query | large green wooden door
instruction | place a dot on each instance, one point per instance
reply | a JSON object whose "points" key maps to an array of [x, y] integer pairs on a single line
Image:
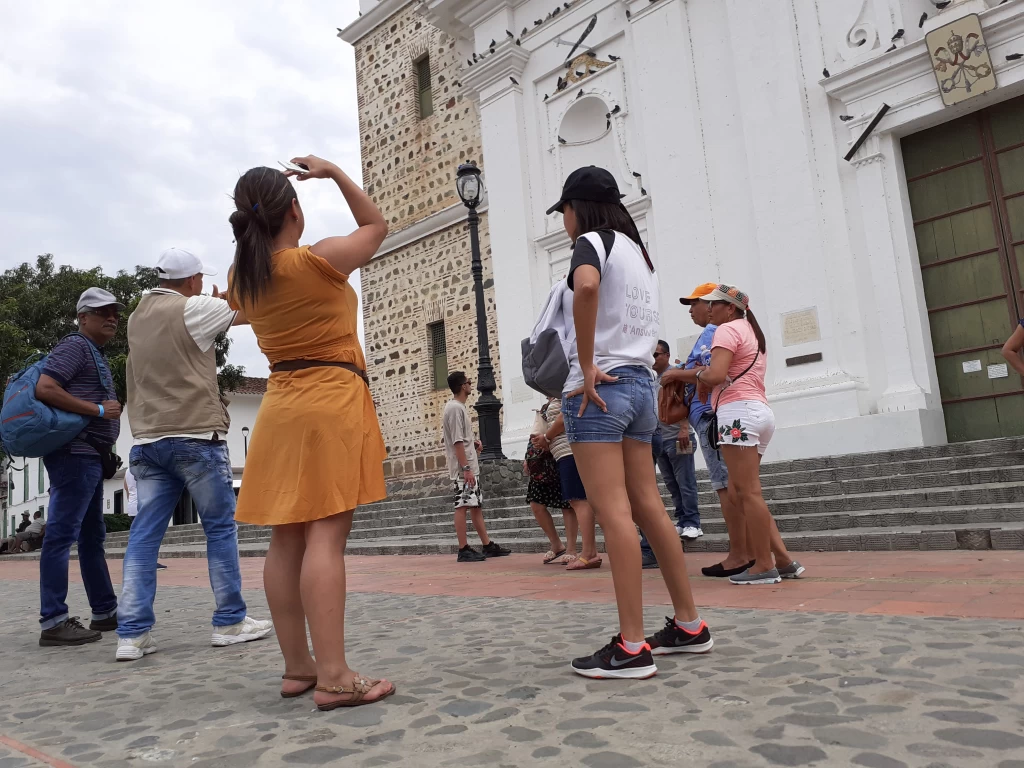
{"points": [[966, 185]]}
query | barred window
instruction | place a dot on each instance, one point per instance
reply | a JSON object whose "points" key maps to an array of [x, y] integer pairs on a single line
{"points": [[426, 96], [438, 354]]}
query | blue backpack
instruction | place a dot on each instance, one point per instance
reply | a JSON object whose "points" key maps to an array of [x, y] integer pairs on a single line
{"points": [[31, 428]]}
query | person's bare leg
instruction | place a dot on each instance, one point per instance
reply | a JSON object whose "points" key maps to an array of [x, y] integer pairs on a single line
{"points": [[779, 551], [585, 518], [477, 515], [571, 526], [281, 572], [736, 527], [745, 480], [543, 517], [322, 586], [601, 468], [649, 513], [460, 526]]}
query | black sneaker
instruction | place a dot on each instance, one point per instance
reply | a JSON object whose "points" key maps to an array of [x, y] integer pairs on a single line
{"points": [[104, 625], [672, 639], [161, 567], [71, 632], [469, 555], [493, 550], [649, 561], [615, 662]]}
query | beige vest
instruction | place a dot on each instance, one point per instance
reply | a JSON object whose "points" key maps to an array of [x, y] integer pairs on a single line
{"points": [[172, 385]]}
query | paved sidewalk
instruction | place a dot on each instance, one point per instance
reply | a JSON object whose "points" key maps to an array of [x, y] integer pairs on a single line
{"points": [[483, 680]]}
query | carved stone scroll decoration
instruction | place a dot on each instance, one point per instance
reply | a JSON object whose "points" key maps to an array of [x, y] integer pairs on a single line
{"points": [[861, 37]]}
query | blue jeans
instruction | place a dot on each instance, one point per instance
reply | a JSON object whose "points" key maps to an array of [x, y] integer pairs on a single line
{"points": [[75, 515], [631, 413], [680, 475], [162, 470]]}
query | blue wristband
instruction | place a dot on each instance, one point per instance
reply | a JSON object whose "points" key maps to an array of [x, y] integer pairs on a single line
{"points": [[101, 411]]}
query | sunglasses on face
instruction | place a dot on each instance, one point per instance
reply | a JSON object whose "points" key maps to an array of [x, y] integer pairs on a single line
{"points": [[105, 312]]}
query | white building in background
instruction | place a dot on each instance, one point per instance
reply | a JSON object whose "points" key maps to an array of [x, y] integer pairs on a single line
{"points": [[885, 284], [28, 484]]}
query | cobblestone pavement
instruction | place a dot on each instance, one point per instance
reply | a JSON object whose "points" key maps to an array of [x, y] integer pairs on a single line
{"points": [[485, 682]]}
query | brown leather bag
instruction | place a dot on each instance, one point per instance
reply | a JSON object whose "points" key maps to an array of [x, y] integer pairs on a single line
{"points": [[672, 408]]}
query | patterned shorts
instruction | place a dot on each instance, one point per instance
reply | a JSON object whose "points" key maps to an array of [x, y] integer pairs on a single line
{"points": [[747, 424], [468, 495]]}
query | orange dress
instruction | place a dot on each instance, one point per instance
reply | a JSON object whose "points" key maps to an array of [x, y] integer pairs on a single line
{"points": [[316, 447]]}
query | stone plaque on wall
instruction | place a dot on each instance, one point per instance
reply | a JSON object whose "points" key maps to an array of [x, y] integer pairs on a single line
{"points": [[961, 60], [800, 327]]}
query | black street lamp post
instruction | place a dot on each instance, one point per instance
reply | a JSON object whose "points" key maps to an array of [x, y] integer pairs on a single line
{"points": [[487, 405], [245, 435]]}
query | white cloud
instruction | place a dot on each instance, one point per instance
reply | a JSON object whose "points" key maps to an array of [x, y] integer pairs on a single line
{"points": [[125, 125]]}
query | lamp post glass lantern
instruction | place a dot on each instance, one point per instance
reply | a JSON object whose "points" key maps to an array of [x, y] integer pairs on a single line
{"points": [[245, 435], [470, 187]]}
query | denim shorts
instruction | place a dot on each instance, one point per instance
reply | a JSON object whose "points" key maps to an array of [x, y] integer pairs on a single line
{"points": [[631, 412], [717, 471]]}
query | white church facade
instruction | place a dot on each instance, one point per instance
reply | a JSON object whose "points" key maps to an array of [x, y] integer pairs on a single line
{"points": [[886, 283]]}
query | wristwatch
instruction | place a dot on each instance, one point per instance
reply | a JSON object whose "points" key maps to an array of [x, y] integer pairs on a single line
{"points": [[466, 468]]}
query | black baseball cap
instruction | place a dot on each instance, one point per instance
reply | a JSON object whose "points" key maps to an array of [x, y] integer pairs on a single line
{"points": [[591, 183]]}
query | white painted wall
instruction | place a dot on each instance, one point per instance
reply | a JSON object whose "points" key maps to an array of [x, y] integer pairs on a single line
{"points": [[726, 115], [242, 409]]}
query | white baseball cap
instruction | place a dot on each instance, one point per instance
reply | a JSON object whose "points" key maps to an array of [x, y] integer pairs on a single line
{"points": [[95, 298], [177, 264]]}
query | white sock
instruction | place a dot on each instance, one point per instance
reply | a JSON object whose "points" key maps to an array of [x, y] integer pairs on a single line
{"points": [[634, 648], [690, 626]]}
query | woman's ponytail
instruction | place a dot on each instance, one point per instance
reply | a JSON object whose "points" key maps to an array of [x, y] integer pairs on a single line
{"points": [[761, 343]]}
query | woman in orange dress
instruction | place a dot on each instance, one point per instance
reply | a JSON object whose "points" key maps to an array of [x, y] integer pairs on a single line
{"points": [[316, 451]]}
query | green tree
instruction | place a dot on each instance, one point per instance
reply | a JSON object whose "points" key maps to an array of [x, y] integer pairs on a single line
{"points": [[37, 309]]}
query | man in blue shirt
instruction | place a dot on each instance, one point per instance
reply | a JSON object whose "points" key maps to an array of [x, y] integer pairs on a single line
{"points": [[700, 416], [76, 380]]}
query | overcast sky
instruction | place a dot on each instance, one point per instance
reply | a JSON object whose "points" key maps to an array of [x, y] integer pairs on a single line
{"points": [[125, 125]]}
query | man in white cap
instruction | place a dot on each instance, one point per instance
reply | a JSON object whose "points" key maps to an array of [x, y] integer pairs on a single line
{"points": [[179, 423], [76, 378]]}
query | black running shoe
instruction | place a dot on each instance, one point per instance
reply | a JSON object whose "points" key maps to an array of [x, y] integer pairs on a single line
{"points": [[717, 571], [672, 639], [469, 555], [648, 561], [615, 662], [493, 550]]}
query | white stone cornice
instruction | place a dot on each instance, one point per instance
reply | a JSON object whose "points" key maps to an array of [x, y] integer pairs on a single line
{"points": [[507, 61], [369, 21], [427, 226], [559, 239]]}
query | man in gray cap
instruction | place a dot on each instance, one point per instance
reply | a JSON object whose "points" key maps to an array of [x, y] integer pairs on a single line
{"points": [[179, 423], [76, 378]]}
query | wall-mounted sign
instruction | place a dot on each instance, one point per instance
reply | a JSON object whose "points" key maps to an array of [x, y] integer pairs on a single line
{"points": [[972, 366], [961, 60], [800, 327], [998, 371]]}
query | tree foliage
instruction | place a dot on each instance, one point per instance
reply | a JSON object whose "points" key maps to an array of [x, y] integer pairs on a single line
{"points": [[37, 309]]}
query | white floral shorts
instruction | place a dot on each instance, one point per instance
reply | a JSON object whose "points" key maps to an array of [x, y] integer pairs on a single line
{"points": [[746, 423]]}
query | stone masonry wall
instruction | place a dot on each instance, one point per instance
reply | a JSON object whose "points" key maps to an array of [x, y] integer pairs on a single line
{"points": [[409, 164], [409, 168], [404, 291]]}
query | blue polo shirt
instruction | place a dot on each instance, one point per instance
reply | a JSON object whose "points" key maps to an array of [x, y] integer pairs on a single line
{"points": [[699, 356]]}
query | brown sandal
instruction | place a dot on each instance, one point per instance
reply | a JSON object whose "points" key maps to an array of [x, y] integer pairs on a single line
{"points": [[360, 687], [582, 564], [311, 679]]}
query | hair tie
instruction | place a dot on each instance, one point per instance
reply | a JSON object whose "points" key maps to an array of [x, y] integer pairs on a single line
{"points": [[255, 207]]}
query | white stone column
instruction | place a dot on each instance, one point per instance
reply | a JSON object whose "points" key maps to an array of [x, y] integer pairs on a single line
{"points": [[902, 391], [503, 132]]}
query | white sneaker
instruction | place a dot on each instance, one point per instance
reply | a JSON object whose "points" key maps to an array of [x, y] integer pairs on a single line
{"points": [[249, 629], [134, 648], [689, 532]]}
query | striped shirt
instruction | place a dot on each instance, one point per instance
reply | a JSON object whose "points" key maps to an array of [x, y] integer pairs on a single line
{"points": [[71, 365]]}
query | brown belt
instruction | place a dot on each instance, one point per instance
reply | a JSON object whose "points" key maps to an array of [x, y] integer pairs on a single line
{"points": [[300, 365]]}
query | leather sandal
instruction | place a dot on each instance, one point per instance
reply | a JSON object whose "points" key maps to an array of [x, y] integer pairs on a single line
{"points": [[311, 679], [360, 687], [551, 555], [582, 564]]}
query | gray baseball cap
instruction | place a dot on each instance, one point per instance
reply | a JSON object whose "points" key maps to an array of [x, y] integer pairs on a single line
{"points": [[94, 298]]}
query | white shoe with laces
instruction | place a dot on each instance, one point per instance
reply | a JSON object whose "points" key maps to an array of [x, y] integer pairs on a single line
{"points": [[134, 648], [689, 532], [247, 630]]}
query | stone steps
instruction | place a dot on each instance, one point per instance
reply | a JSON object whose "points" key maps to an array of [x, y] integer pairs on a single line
{"points": [[960, 495]]}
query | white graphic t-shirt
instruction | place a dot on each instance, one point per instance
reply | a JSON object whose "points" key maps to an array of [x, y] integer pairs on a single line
{"points": [[628, 312]]}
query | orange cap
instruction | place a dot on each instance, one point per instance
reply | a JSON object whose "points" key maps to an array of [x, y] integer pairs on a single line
{"points": [[699, 292]]}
